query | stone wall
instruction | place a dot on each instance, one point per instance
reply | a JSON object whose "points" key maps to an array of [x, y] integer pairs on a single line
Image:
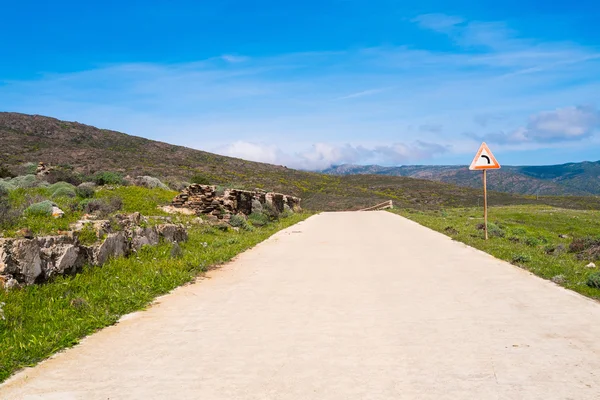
{"points": [[28, 261], [204, 199]]}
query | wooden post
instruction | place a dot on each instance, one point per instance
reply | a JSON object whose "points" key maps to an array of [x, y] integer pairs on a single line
{"points": [[485, 211]]}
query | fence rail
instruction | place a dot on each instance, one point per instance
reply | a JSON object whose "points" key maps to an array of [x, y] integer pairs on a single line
{"points": [[382, 206]]}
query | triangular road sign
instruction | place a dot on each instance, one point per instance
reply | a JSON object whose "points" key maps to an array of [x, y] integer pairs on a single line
{"points": [[484, 159]]}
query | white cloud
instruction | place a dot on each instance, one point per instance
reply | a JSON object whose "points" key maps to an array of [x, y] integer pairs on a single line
{"points": [[560, 125], [323, 155]]}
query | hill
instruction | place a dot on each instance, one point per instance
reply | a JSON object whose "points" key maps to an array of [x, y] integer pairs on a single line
{"points": [[578, 179], [86, 150]]}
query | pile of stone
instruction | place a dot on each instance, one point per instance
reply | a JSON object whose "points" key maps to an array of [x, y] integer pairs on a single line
{"points": [[204, 199], [34, 260]]}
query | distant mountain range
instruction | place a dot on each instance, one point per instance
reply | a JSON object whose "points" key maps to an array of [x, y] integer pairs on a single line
{"points": [[565, 179]]}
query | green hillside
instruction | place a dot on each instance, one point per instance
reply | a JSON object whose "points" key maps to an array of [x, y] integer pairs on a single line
{"points": [[84, 150]]}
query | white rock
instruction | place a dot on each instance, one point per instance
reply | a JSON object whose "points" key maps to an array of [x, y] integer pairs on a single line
{"points": [[57, 212], [591, 265]]}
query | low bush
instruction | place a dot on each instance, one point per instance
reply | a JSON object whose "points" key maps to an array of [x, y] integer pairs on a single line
{"points": [[6, 185], [496, 231], [239, 221], [87, 235], [270, 211], [532, 241], [150, 182], [594, 280], [200, 179], [580, 244], [62, 174], [258, 219], [86, 190], [520, 258], [102, 207], [26, 182], [108, 178], [5, 172], [62, 189], [43, 208], [287, 212]]}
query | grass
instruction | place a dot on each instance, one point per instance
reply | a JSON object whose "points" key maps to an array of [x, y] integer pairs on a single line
{"points": [[40, 320], [527, 236], [134, 198]]}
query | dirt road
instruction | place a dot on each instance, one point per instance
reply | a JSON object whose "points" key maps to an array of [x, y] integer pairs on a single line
{"points": [[342, 306]]}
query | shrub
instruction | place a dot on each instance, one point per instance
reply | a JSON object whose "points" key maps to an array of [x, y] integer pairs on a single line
{"points": [[495, 230], [30, 168], [6, 185], [86, 190], [5, 172], [270, 211], [60, 174], [532, 241], [594, 280], [26, 182], [258, 219], [43, 208], [150, 182], [520, 258], [103, 207], [87, 235], [178, 185], [200, 179], [239, 221], [108, 178], [62, 189], [8, 215], [581, 244], [287, 212]]}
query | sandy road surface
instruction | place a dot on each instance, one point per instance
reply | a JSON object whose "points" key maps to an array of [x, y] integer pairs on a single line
{"points": [[342, 306]]}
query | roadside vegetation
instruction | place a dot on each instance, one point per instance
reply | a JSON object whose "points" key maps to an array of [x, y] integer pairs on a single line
{"points": [[39, 320], [553, 243]]}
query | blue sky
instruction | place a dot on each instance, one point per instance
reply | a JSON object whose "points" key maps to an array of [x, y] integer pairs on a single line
{"points": [[314, 83]]}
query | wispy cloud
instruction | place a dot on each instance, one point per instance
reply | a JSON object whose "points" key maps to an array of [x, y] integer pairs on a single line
{"points": [[362, 93]]}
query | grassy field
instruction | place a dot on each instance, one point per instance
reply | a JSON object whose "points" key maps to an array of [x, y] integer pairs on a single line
{"points": [[40, 320], [536, 238]]}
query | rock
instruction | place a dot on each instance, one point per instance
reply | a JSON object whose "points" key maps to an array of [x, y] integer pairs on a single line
{"points": [[176, 251], [21, 259], [115, 245], [144, 237], [172, 233], [591, 265], [559, 279], [59, 255], [562, 236], [177, 210], [57, 212], [9, 284]]}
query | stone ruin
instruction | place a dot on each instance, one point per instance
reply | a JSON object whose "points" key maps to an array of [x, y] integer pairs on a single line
{"points": [[205, 199]]}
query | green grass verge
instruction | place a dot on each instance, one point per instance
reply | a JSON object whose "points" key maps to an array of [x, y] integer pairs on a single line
{"points": [[524, 236], [40, 320]]}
